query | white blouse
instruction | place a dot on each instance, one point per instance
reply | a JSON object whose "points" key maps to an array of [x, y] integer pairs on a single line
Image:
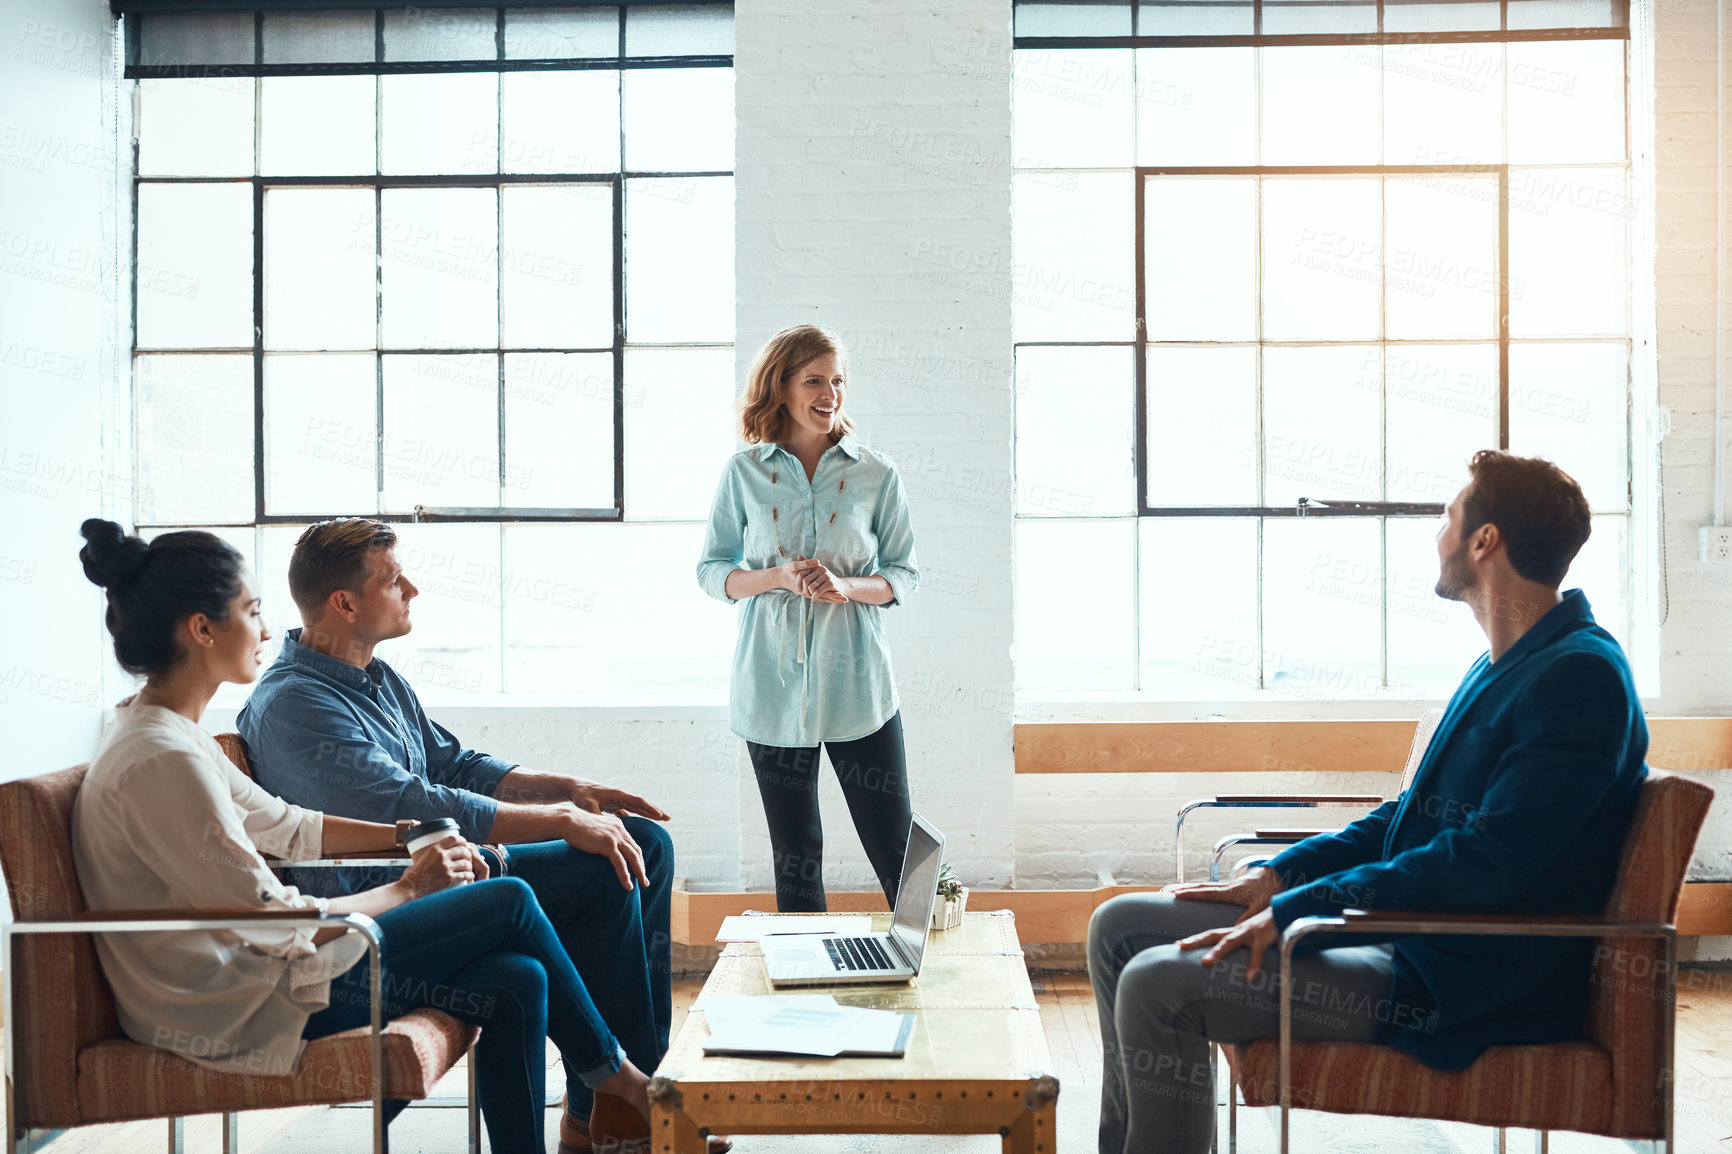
{"points": [[165, 821]]}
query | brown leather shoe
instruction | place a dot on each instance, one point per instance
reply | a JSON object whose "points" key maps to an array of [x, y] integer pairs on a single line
{"points": [[573, 1132]]}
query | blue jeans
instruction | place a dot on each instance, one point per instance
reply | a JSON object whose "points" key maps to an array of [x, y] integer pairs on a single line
{"points": [[485, 954], [618, 939]]}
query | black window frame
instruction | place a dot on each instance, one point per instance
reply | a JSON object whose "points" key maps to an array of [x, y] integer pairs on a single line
{"points": [[379, 182]]}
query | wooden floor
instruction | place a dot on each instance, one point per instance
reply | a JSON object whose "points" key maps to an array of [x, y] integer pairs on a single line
{"points": [[1704, 1099]]}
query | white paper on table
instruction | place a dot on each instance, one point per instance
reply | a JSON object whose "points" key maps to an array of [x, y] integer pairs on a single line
{"points": [[812, 1025], [751, 927]]}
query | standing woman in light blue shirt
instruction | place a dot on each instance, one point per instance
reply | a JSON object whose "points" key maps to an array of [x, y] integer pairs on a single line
{"points": [[810, 529]]}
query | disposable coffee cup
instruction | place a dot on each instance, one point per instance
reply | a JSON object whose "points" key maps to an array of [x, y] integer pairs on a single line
{"points": [[429, 832]]}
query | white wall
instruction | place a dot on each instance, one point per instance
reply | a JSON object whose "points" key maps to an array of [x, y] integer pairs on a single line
{"points": [[59, 231]]}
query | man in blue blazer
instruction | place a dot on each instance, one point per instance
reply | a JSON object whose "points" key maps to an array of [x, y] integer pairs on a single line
{"points": [[1520, 807]]}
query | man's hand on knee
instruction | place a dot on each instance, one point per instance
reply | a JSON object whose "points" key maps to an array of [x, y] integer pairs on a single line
{"points": [[1252, 891], [1256, 933], [605, 835]]}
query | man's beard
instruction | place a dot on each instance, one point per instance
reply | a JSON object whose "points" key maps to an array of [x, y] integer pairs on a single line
{"points": [[1455, 581]]}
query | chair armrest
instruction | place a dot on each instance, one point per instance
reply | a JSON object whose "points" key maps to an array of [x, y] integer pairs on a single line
{"points": [[1288, 835], [1296, 799], [1511, 925], [378, 858]]}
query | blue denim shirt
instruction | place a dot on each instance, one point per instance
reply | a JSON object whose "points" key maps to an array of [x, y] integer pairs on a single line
{"points": [[807, 671], [325, 735]]}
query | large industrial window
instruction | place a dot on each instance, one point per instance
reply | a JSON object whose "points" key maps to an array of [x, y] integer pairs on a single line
{"points": [[470, 270], [1280, 270]]}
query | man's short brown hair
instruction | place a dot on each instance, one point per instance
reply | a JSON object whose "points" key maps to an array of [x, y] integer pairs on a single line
{"points": [[1538, 509], [332, 555]]}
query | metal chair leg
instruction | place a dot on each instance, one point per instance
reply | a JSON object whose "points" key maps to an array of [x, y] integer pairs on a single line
{"points": [[231, 1134], [1542, 1143], [474, 1107], [177, 1136], [1500, 1142]]}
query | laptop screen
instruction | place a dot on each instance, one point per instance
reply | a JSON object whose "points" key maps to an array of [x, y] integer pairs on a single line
{"points": [[919, 889]]}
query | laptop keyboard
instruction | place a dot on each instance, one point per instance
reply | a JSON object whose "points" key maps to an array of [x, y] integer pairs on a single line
{"points": [[858, 954]]}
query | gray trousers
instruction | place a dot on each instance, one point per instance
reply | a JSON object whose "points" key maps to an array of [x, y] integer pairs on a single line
{"points": [[1160, 1007]]}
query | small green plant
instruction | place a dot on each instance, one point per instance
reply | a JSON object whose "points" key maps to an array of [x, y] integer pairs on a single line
{"points": [[948, 887]]}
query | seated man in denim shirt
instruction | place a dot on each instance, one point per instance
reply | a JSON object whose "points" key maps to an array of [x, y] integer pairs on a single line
{"points": [[332, 727]]}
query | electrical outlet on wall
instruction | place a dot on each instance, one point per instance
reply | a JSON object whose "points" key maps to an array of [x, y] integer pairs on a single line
{"points": [[1714, 544]]}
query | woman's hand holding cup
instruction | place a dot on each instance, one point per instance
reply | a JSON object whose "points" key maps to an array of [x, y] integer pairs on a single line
{"points": [[439, 859]]}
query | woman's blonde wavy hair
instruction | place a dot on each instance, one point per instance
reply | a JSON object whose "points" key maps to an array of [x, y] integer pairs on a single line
{"points": [[763, 417]]}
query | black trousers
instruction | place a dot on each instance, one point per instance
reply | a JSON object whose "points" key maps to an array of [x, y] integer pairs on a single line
{"points": [[874, 775]]}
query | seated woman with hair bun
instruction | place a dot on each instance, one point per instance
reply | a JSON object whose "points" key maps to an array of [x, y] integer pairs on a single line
{"points": [[164, 820]]}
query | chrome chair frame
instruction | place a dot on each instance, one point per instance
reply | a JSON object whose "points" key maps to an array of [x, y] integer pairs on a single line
{"points": [[1260, 801], [18, 1141]]}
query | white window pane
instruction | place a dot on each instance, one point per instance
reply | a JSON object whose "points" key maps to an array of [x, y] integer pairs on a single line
{"points": [[321, 435], [1196, 105], [561, 121], [1194, 18], [1569, 267], [1441, 16], [195, 266], [1307, 17], [194, 39], [1065, 641], [1074, 416], [453, 650], [1441, 236], [441, 34], [679, 430], [1202, 411], [1566, 101], [679, 119], [1074, 279], [440, 123], [276, 546], [1322, 258], [440, 264], [580, 622], [441, 431], [561, 33], [317, 125], [1563, 14], [679, 30], [1320, 105], [558, 281], [1442, 403], [195, 127], [194, 438], [1200, 258], [679, 259], [1443, 103], [1568, 403], [1199, 622], [1321, 423], [1432, 642], [319, 268], [1072, 19], [1323, 607], [319, 37], [1071, 108], [559, 430], [1601, 571]]}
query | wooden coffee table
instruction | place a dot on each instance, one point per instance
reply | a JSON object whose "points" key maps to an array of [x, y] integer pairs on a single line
{"points": [[976, 1064]]}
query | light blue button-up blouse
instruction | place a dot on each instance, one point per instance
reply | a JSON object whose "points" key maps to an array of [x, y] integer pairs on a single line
{"points": [[805, 671]]}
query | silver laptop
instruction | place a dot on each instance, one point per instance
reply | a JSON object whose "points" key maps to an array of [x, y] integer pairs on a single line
{"points": [[832, 960]]}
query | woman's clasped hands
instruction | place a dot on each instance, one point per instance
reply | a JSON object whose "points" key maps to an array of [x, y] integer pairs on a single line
{"points": [[809, 577]]}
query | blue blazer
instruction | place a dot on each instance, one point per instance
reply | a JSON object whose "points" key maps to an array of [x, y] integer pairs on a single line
{"points": [[1520, 806]]}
